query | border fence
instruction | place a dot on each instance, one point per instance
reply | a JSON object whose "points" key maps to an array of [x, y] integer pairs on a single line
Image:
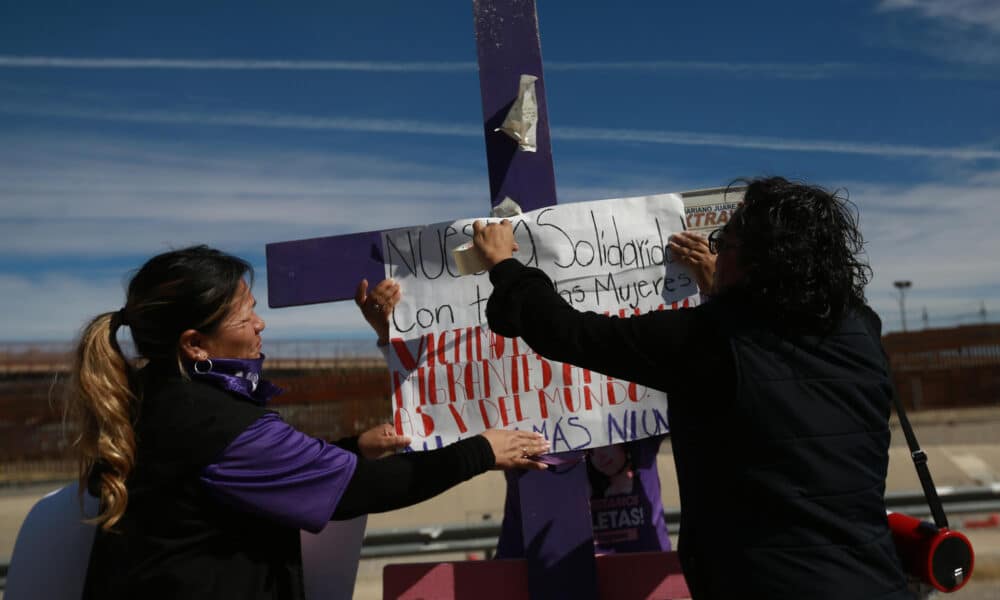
{"points": [[946, 368], [334, 388]]}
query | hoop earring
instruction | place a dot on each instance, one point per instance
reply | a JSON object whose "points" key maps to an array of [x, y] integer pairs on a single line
{"points": [[206, 369]]}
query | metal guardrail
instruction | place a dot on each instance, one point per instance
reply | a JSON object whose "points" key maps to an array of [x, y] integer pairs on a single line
{"points": [[956, 501], [384, 543], [483, 537]]}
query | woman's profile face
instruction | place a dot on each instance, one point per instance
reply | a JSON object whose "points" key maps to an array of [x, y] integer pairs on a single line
{"points": [[609, 460], [238, 336]]}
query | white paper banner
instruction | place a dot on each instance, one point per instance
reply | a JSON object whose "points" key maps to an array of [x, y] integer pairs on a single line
{"points": [[452, 377]]}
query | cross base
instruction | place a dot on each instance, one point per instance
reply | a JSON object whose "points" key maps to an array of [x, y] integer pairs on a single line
{"points": [[636, 576]]}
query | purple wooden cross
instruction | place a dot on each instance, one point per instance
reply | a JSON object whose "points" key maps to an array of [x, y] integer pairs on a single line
{"points": [[558, 539]]}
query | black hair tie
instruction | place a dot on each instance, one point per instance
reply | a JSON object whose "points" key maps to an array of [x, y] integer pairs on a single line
{"points": [[118, 319]]}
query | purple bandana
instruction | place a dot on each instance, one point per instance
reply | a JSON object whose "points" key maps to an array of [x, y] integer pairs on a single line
{"points": [[239, 375]]}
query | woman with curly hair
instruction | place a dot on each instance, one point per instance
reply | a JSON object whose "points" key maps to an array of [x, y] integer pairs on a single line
{"points": [[779, 396]]}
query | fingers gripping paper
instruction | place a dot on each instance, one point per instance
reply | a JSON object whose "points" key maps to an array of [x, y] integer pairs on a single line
{"points": [[452, 377]]}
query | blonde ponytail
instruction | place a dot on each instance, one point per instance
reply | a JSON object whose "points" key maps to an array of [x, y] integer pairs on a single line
{"points": [[101, 401]]}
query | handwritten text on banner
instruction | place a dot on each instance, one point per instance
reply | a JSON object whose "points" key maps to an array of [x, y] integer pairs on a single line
{"points": [[452, 377]]}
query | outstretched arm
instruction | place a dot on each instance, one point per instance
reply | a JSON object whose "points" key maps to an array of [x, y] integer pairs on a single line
{"points": [[406, 479], [280, 473], [653, 349]]}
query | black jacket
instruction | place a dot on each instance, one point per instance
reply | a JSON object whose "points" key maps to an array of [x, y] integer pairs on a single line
{"points": [[780, 442], [175, 541]]}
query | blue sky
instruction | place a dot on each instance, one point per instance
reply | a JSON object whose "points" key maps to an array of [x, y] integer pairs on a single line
{"points": [[127, 130]]}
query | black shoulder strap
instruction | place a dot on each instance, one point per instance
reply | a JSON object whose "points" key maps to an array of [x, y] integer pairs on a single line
{"points": [[874, 326], [920, 462]]}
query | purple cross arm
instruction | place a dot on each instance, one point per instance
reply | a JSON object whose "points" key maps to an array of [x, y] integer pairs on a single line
{"points": [[323, 269]]}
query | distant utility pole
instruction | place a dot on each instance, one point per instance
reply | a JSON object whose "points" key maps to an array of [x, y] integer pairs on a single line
{"points": [[982, 310], [902, 286], [926, 319]]}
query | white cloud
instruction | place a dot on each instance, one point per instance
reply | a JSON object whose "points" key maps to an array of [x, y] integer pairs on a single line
{"points": [[584, 134], [113, 197], [117, 199], [114, 201], [56, 306], [961, 31], [683, 138], [209, 64], [728, 69], [725, 69], [53, 306], [251, 119], [985, 13], [941, 236]]}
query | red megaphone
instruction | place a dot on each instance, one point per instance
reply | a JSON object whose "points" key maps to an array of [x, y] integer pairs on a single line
{"points": [[937, 556]]}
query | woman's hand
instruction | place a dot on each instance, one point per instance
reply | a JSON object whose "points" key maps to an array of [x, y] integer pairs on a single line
{"points": [[495, 241], [516, 449], [691, 249], [380, 441], [377, 305]]}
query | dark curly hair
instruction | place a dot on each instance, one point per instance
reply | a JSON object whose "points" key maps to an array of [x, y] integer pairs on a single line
{"points": [[801, 252]]}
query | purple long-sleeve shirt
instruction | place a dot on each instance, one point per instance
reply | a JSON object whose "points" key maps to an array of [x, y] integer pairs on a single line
{"points": [[276, 471]]}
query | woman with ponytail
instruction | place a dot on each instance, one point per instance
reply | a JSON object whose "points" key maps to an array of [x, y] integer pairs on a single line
{"points": [[202, 489]]}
